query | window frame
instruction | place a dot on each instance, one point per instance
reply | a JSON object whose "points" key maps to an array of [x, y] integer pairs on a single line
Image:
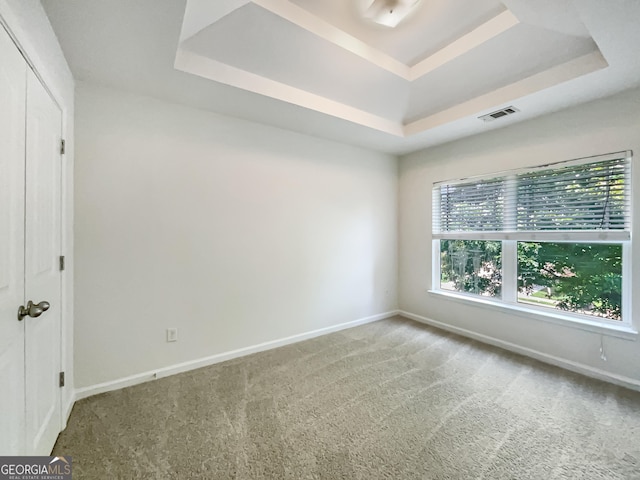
{"points": [[509, 289]]}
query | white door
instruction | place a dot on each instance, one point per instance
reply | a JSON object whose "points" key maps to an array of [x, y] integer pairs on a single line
{"points": [[12, 144], [42, 272], [30, 229]]}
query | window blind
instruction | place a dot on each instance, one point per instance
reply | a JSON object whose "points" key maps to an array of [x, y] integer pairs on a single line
{"points": [[588, 198], [471, 207]]}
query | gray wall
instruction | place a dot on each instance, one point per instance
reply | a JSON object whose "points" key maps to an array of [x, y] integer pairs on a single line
{"points": [[603, 126], [233, 232]]}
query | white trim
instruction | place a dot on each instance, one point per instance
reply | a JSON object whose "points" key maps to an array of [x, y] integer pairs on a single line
{"points": [[205, 67], [51, 80], [509, 94], [562, 236], [509, 270], [487, 31], [611, 328], [66, 409], [327, 31], [436, 265], [627, 286], [201, 14], [605, 157], [592, 372], [136, 379]]}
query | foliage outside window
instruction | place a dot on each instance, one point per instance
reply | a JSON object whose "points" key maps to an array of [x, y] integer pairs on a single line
{"points": [[471, 266], [549, 237], [578, 277]]}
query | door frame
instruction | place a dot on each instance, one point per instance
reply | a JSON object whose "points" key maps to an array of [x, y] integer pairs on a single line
{"points": [[29, 51]]}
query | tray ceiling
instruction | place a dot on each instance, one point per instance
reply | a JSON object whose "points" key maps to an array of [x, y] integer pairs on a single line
{"points": [[320, 67], [325, 56]]}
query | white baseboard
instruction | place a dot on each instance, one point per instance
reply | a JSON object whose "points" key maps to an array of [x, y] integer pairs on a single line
{"points": [[91, 390], [528, 352], [66, 409]]}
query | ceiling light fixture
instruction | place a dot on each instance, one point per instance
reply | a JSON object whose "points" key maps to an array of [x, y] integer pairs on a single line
{"points": [[389, 12]]}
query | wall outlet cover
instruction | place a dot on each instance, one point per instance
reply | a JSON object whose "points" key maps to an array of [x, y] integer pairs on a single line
{"points": [[172, 334]]}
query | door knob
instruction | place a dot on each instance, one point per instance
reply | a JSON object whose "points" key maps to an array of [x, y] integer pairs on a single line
{"points": [[32, 309]]}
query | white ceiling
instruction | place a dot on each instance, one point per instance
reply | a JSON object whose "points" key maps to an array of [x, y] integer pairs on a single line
{"points": [[426, 30], [319, 67]]}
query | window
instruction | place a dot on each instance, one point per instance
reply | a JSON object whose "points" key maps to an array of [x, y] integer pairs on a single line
{"points": [[473, 266], [555, 237]]}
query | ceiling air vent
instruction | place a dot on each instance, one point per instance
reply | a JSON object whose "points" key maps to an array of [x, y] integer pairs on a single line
{"points": [[490, 117]]}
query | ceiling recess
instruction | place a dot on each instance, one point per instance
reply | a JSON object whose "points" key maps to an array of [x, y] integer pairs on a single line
{"points": [[390, 12], [490, 117]]}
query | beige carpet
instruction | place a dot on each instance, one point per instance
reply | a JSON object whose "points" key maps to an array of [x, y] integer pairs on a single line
{"points": [[389, 400]]}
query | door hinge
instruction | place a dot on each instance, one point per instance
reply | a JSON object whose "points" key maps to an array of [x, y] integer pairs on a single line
{"points": [[63, 147], [61, 263], [61, 379]]}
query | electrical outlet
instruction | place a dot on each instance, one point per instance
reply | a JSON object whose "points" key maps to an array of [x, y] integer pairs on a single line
{"points": [[172, 334]]}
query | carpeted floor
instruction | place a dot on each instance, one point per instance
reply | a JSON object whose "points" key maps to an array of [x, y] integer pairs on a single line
{"points": [[390, 400]]}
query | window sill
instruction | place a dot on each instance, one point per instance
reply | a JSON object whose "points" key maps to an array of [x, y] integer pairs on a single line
{"points": [[623, 331]]}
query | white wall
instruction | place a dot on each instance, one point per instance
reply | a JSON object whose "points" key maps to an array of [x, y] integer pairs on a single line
{"points": [[28, 24], [233, 232], [604, 126]]}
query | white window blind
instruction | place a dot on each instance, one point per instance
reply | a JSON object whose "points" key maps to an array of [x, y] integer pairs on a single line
{"points": [[580, 200], [471, 207]]}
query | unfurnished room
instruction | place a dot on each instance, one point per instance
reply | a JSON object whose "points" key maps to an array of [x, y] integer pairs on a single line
{"points": [[337, 239]]}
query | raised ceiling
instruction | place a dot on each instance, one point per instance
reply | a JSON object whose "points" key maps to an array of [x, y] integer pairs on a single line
{"points": [[320, 67]]}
